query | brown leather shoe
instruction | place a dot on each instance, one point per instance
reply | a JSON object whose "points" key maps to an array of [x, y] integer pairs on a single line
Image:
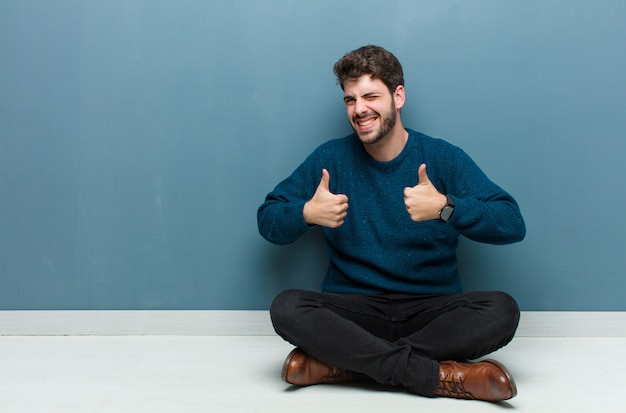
{"points": [[485, 380], [303, 370]]}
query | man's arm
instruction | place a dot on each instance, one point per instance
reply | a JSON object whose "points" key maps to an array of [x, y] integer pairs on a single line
{"points": [[483, 211], [288, 212]]}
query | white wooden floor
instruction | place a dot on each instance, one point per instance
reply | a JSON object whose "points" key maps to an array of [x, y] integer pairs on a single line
{"points": [[236, 373]]}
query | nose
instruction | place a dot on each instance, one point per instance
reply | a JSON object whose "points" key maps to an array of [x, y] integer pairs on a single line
{"points": [[360, 107]]}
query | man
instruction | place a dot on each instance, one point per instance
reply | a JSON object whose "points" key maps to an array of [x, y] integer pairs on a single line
{"points": [[392, 203]]}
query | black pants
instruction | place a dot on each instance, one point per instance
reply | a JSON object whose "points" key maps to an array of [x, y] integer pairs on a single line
{"points": [[395, 339]]}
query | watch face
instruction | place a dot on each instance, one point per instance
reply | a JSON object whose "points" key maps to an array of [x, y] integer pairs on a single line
{"points": [[446, 213]]}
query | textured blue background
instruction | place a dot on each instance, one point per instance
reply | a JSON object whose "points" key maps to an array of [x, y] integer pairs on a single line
{"points": [[138, 137]]}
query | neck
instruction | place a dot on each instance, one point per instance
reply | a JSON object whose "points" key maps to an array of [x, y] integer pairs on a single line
{"points": [[389, 147]]}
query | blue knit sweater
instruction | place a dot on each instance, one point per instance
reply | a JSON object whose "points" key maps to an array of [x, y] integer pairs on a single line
{"points": [[379, 249]]}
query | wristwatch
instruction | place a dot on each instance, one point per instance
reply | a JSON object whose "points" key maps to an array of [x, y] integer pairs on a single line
{"points": [[446, 212]]}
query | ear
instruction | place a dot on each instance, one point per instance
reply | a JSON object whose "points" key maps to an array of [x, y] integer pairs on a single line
{"points": [[399, 97]]}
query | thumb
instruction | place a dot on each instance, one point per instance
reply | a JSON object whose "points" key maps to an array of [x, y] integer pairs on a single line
{"points": [[325, 182], [422, 176]]}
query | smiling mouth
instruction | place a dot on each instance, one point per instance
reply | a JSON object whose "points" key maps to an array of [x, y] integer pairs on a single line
{"points": [[365, 123]]}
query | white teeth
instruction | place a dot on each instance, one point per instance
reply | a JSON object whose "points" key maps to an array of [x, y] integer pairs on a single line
{"points": [[366, 122]]}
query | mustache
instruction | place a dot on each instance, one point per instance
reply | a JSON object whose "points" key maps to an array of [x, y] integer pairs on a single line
{"points": [[365, 115]]}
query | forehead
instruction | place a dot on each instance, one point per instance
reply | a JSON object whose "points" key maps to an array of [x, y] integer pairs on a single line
{"points": [[364, 85]]}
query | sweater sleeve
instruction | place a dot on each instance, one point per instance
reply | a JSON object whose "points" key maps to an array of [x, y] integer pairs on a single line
{"points": [[280, 218], [484, 212]]}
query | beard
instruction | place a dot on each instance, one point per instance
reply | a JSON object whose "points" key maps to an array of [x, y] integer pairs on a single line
{"points": [[387, 122]]}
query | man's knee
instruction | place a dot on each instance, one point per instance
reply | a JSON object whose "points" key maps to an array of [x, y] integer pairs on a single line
{"points": [[506, 312], [284, 309]]}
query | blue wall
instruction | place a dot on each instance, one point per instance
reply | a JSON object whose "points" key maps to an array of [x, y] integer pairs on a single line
{"points": [[138, 137]]}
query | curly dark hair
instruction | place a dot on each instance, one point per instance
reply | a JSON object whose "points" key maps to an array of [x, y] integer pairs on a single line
{"points": [[370, 60]]}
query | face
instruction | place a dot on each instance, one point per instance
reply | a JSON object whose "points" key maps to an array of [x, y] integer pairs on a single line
{"points": [[371, 109]]}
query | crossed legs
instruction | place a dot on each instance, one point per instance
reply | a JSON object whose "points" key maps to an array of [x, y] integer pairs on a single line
{"points": [[395, 339]]}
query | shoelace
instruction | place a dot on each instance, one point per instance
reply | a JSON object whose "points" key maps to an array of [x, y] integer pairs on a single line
{"points": [[336, 374], [453, 386]]}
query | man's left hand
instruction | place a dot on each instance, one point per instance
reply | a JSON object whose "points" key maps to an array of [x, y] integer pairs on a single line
{"points": [[423, 201]]}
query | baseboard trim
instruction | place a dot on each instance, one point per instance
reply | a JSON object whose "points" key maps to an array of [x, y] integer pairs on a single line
{"points": [[136, 322], [257, 323]]}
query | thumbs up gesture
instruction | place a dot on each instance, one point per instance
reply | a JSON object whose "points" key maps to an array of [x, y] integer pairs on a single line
{"points": [[325, 208], [423, 201]]}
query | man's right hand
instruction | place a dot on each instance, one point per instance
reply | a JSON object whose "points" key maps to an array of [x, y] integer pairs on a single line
{"points": [[325, 208]]}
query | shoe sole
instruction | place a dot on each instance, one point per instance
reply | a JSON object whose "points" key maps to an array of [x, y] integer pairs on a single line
{"points": [[507, 373], [283, 373]]}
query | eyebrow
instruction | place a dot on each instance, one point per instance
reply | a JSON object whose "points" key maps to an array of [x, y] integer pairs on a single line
{"points": [[365, 95]]}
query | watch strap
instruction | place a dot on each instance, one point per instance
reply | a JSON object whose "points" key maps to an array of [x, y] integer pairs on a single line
{"points": [[446, 212]]}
